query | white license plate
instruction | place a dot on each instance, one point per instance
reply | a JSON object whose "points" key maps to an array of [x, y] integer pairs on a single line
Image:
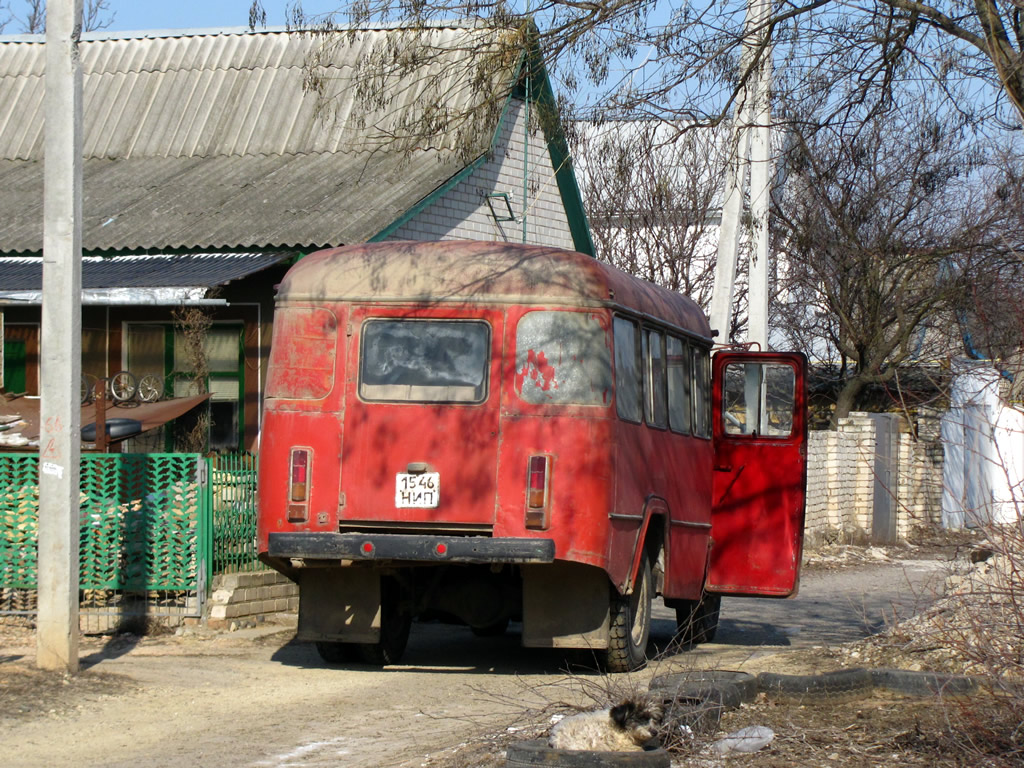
{"points": [[419, 491]]}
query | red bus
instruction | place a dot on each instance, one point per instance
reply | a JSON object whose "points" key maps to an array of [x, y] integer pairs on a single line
{"points": [[486, 433]]}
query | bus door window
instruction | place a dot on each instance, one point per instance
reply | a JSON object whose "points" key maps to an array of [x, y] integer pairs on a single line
{"points": [[757, 399], [627, 371]]}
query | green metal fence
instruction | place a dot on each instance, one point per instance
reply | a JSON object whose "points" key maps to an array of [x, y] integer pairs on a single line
{"points": [[233, 477], [144, 522], [156, 525]]}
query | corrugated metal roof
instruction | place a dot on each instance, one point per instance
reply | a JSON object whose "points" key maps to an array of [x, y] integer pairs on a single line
{"points": [[202, 270], [228, 94], [226, 202], [208, 141]]}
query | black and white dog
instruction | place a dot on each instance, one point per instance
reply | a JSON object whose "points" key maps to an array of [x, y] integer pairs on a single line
{"points": [[627, 727]]}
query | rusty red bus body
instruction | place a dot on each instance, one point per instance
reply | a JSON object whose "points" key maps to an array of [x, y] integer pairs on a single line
{"points": [[488, 432]]}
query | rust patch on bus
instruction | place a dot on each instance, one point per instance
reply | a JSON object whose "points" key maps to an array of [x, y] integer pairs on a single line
{"points": [[539, 370]]}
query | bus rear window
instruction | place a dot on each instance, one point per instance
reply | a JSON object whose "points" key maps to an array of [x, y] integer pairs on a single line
{"points": [[563, 357], [425, 361], [302, 353]]}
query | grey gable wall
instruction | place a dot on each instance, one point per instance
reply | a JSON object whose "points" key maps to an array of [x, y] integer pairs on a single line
{"points": [[462, 212]]}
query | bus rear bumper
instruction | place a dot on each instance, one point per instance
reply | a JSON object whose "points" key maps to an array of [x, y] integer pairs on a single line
{"points": [[301, 547]]}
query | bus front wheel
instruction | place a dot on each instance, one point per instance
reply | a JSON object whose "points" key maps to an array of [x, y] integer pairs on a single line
{"points": [[630, 624]]}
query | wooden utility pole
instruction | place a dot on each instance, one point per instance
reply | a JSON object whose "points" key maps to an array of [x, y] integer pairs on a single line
{"points": [[61, 342]]}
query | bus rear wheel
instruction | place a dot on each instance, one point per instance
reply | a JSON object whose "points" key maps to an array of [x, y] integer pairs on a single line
{"points": [[336, 653], [697, 620], [630, 624], [395, 623]]}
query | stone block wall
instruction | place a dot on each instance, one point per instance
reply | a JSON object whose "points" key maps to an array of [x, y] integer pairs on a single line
{"points": [[841, 482], [238, 596], [920, 484]]}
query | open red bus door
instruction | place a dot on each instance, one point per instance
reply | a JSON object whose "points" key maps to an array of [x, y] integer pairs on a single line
{"points": [[760, 435]]}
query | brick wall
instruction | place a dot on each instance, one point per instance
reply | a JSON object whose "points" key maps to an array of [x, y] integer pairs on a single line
{"points": [[462, 213], [238, 596], [841, 481]]}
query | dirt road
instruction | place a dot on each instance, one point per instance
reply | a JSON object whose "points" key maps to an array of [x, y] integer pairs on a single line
{"points": [[257, 698]]}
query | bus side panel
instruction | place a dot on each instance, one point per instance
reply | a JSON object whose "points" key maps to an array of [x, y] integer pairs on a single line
{"points": [[659, 464], [580, 482], [284, 430], [689, 532], [314, 423]]}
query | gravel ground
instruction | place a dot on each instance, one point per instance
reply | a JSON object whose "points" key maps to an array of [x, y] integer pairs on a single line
{"points": [[256, 697]]}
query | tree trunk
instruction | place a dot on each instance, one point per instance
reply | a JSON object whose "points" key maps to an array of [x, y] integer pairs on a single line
{"points": [[847, 399]]}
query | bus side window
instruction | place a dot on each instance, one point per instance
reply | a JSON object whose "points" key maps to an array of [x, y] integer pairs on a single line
{"points": [[701, 393], [655, 398], [680, 382], [627, 371]]}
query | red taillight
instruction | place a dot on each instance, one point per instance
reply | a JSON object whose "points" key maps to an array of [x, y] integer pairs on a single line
{"points": [[300, 471], [537, 485], [538, 481], [298, 485]]}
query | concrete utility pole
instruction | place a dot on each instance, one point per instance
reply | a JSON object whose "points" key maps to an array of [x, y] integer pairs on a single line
{"points": [[750, 147], [61, 342]]}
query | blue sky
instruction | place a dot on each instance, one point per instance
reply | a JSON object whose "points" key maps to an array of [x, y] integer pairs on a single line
{"points": [[199, 14]]}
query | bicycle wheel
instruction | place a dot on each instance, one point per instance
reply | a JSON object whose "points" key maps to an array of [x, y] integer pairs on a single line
{"points": [[151, 388], [88, 388], [122, 386]]}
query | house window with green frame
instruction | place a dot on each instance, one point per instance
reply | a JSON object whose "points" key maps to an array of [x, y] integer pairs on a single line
{"points": [[161, 348]]}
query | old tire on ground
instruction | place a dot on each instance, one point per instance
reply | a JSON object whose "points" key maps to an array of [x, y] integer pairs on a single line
{"points": [[697, 620], [630, 624], [526, 754], [923, 683], [737, 687], [685, 716], [395, 623], [827, 684]]}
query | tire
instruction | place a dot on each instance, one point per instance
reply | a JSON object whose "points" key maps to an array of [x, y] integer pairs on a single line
{"points": [[923, 683], [828, 684], [737, 687], [337, 653], [697, 620], [122, 386], [630, 624], [686, 716], [497, 629], [151, 388], [88, 388], [526, 754], [395, 624]]}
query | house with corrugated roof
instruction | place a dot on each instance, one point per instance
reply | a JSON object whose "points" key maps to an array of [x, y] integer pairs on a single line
{"points": [[209, 167]]}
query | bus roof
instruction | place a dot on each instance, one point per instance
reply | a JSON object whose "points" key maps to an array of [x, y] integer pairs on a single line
{"points": [[471, 271]]}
